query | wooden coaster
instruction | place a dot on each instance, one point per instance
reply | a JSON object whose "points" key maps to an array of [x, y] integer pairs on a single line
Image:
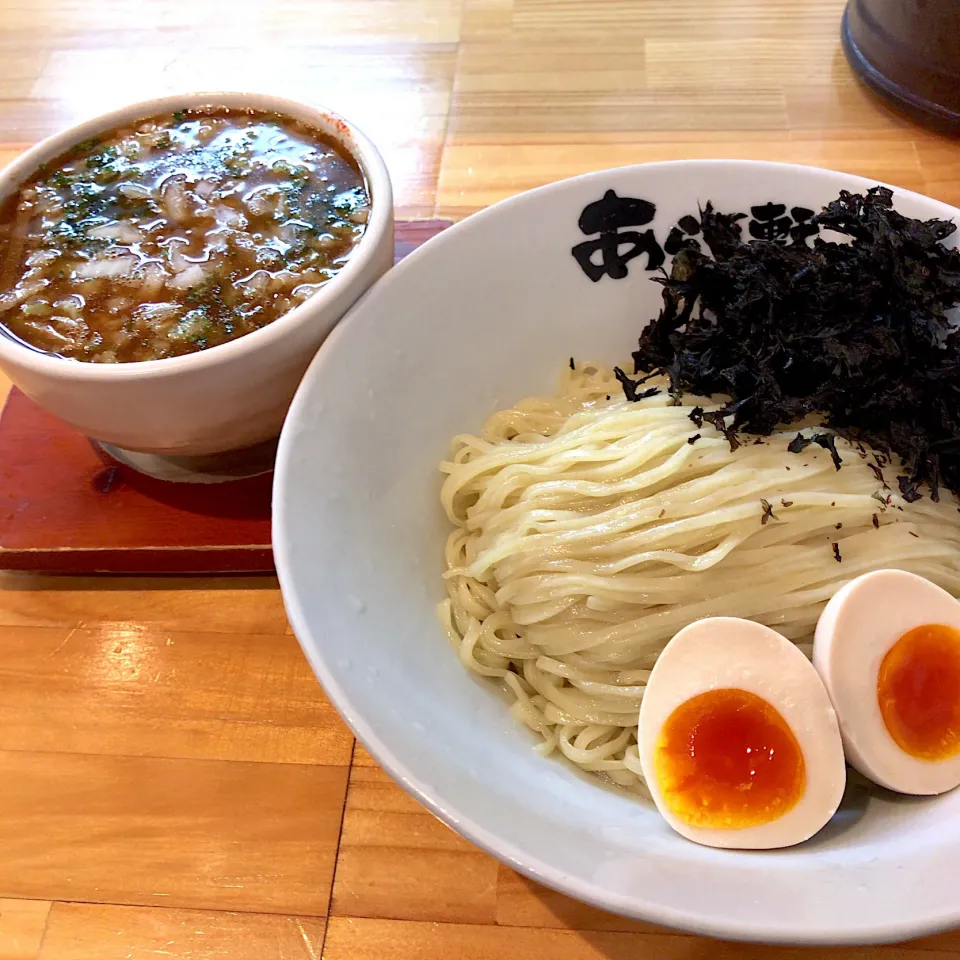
{"points": [[67, 507]]}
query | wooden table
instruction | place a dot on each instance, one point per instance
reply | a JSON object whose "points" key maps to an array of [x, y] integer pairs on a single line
{"points": [[172, 781]]}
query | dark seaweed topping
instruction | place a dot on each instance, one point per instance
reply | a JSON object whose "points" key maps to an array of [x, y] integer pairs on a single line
{"points": [[836, 553], [787, 503], [718, 419], [767, 512], [856, 333], [573, 366], [912, 534], [692, 440], [876, 521], [630, 390], [826, 440], [908, 489]]}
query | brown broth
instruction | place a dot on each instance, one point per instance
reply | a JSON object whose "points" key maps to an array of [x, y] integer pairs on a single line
{"points": [[176, 235]]}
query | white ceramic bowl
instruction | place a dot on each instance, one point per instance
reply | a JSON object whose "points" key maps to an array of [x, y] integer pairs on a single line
{"points": [[481, 316], [233, 395]]}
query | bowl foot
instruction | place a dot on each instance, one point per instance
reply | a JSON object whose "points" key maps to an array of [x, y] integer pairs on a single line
{"points": [[211, 468]]}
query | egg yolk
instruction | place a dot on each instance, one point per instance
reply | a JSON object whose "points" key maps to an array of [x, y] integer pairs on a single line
{"points": [[918, 689], [726, 759]]}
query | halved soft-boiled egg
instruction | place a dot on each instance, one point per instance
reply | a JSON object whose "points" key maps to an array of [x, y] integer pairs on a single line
{"points": [[888, 648], [738, 740]]}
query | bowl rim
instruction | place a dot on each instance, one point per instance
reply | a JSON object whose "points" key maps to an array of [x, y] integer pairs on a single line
{"points": [[687, 920], [13, 351]]}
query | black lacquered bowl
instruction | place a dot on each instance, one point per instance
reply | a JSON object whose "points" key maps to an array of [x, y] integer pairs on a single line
{"points": [[908, 51]]}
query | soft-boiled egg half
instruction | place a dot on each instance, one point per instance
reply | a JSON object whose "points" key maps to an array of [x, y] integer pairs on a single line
{"points": [[738, 741], [888, 648]]}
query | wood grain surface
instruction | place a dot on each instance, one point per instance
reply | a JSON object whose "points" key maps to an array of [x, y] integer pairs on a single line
{"points": [[172, 780]]}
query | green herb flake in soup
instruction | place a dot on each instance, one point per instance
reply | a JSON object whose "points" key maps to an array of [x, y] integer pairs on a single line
{"points": [[176, 235]]}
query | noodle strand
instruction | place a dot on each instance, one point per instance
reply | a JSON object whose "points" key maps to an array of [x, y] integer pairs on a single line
{"points": [[588, 530]]}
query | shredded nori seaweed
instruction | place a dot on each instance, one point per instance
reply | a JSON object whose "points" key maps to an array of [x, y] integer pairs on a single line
{"points": [[856, 333], [826, 440], [630, 387]]}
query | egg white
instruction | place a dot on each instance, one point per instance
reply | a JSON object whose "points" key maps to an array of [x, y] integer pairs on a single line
{"points": [[726, 652], [862, 621]]}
